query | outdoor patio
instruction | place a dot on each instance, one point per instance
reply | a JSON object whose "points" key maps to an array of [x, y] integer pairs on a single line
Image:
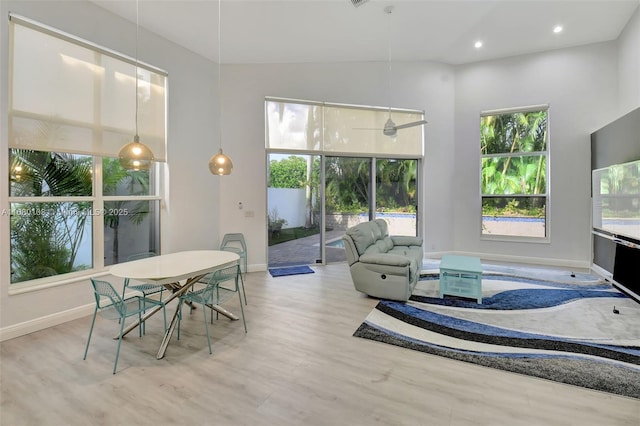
{"points": [[304, 251]]}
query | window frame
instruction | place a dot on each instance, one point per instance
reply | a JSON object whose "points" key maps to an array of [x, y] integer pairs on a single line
{"points": [[97, 227], [546, 239]]}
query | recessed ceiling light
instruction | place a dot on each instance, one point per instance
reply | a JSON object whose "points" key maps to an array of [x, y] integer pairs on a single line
{"points": [[478, 44], [557, 29]]}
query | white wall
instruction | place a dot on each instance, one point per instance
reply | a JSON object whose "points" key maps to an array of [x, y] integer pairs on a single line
{"points": [[580, 86], [629, 65], [191, 212], [427, 86]]}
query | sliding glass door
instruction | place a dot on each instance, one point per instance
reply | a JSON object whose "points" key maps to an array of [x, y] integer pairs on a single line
{"points": [[293, 210], [348, 194], [351, 189], [337, 168], [396, 195]]}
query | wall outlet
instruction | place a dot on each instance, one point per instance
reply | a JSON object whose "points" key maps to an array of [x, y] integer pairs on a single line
{"points": [[249, 213]]}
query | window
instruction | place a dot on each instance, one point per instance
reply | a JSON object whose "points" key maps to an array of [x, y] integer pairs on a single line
{"points": [[72, 206], [50, 201], [331, 166], [131, 212], [514, 170]]}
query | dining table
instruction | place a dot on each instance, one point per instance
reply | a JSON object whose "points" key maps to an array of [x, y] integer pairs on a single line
{"points": [[177, 272]]}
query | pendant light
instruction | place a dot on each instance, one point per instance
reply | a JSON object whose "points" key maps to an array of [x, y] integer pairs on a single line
{"points": [[220, 164], [136, 155]]}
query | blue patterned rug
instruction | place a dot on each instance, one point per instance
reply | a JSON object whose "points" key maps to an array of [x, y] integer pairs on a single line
{"points": [[562, 330], [292, 270]]}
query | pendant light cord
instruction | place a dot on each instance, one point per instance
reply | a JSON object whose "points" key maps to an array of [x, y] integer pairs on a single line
{"points": [[219, 73], [220, 164], [388, 10], [136, 71]]}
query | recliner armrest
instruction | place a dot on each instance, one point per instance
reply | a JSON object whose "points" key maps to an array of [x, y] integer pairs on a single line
{"points": [[385, 259], [406, 240]]}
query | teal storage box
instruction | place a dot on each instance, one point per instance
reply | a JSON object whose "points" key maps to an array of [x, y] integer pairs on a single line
{"points": [[461, 276]]}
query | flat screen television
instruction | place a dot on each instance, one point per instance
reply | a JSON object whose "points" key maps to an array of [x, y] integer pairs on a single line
{"points": [[616, 202]]}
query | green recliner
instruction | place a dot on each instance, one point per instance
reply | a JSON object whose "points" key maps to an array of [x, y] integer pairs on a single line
{"points": [[383, 266]]}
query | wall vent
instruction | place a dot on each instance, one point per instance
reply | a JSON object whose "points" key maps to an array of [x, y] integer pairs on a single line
{"points": [[357, 3]]}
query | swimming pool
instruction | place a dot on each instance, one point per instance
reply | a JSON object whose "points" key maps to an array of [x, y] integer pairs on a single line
{"points": [[336, 243]]}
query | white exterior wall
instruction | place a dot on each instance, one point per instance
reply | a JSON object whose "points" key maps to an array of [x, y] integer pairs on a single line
{"points": [[290, 204]]}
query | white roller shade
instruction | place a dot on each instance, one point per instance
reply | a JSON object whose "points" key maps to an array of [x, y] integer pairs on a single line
{"points": [[339, 129], [359, 131], [294, 126], [68, 95]]}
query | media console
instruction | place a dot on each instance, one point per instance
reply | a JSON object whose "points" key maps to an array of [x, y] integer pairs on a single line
{"points": [[615, 165], [626, 271], [624, 268]]}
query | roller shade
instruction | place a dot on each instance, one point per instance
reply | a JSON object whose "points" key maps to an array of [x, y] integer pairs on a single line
{"points": [[68, 95], [340, 129]]}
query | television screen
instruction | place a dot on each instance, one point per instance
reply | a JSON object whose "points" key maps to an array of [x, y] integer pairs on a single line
{"points": [[616, 200]]}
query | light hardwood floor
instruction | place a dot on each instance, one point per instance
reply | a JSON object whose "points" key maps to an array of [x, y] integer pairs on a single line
{"points": [[298, 365]]}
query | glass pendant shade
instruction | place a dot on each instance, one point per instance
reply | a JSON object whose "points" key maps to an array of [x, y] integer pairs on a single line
{"points": [[220, 164], [135, 155]]}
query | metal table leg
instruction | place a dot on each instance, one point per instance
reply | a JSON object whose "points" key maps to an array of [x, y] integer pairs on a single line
{"points": [[174, 321], [168, 334], [223, 311], [177, 290]]}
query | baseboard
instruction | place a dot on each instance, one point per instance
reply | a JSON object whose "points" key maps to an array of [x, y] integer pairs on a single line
{"points": [[602, 272], [435, 254], [47, 321], [260, 267], [528, 260]]}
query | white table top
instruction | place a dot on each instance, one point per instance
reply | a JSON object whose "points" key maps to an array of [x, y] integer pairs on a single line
{"points": [[169, 268]]}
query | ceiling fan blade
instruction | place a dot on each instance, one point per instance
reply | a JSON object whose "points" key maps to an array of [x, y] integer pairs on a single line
{"points": [[412, 124]]}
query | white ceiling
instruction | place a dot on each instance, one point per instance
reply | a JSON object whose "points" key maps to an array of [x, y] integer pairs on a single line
{"points": [[269, 31]]}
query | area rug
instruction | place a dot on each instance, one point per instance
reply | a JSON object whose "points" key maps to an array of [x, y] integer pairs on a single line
{"points": [[573, 329], [292, 270]]}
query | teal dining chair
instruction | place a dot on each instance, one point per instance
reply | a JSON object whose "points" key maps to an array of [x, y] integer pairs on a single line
{"points": [[234, 242], [114, 307], [145, 288], [213, 293]]}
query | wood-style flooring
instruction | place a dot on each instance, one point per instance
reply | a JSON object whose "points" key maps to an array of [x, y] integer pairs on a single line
{"points": [[298, 365]]}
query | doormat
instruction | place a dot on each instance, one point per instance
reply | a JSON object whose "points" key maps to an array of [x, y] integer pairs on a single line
{"points": [[292, 270]]}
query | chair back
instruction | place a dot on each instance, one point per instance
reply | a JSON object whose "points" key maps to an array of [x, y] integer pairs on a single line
{"points": [[222, 293], [224, 274], [137, 256], [233, 240], [105, 289], [214, 294]]}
